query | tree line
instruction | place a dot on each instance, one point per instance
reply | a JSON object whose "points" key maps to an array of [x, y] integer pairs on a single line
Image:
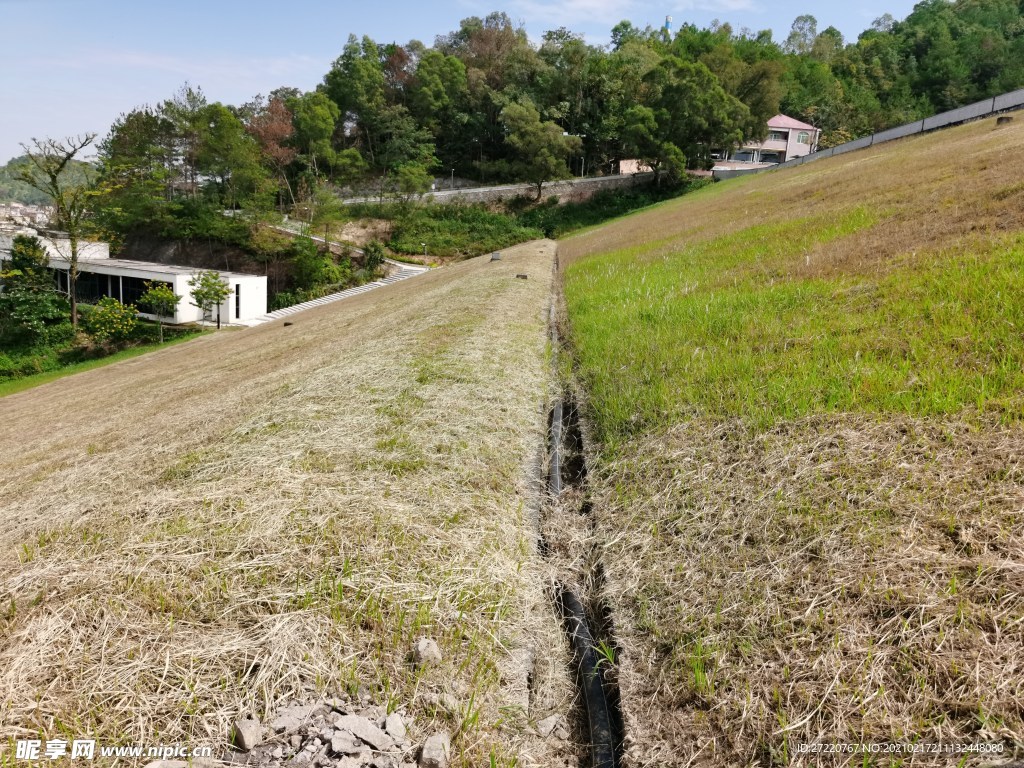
{"points": [[483, 102]]}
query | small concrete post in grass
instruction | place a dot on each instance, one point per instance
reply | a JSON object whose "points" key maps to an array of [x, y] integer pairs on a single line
{"points": [[496, 256]]}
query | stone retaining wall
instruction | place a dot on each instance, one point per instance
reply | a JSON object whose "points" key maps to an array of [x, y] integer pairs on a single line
{"points": [[570, 190]]}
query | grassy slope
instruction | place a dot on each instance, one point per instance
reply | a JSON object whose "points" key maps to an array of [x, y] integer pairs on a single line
{"points": [[807, 389], [277, 513], [10, 386]]}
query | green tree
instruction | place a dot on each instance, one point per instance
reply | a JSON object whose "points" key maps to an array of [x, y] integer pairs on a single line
{"points": [[802, 35], [541, 149], [162, 301], [135, 186], [398, 141], [48, 161], [645, 140], [693, 111], [314, 117], [30, 305], [187, 115], [413, 179], [208, 291], [312, 267], [373, 255], [230, 157]]}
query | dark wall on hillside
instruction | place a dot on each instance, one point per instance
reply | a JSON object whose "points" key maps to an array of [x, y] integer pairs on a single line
{"points": [[205, 255]]}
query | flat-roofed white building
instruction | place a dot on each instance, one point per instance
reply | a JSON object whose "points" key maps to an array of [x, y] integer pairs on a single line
{"points": [[125, 280]]}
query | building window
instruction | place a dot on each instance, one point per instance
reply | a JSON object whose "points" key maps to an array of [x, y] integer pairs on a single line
{"points": [[238, 301], [803, 138], [778, 136]]}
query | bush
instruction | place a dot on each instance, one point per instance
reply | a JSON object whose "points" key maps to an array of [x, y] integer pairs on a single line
{"points": [[373, 256], [110, 320], [458, 230], [312, 267], [58, 335]]}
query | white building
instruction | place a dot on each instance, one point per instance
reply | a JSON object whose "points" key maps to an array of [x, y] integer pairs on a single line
{"points": [[125, 280]]}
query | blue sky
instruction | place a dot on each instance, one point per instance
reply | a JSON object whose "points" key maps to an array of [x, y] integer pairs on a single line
{"points": [[69, 66]]}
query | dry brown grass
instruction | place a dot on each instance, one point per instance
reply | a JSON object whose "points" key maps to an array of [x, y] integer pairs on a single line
{"points": [[835, 579], [279, 513], [363, 231], [927, 191]]}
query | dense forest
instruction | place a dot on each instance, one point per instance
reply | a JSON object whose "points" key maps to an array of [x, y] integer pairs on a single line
{"points": [[485, 103]]}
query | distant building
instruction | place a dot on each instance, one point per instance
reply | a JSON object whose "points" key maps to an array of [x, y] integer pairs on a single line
{"points": [[787, 138], [633, 166], [30, 215], [125, 279]]}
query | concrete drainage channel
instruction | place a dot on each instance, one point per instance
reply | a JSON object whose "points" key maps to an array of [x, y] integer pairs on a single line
{"points": [[577, 591]]}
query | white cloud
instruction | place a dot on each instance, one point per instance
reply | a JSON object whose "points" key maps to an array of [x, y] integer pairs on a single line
{"points": [[717, 6], [570, 12]]}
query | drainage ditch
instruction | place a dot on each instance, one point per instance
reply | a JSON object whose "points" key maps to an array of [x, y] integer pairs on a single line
{"points": [[568, 542]]}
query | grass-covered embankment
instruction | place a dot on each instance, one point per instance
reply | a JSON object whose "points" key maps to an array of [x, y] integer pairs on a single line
{"points": [[279, 514], [807, 391]]}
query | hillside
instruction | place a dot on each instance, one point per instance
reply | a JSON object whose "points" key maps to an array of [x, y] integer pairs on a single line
{"points": [[805, 392], [277, 515]]}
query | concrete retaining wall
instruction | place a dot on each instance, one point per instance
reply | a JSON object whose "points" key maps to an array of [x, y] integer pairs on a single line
{"points": [[1011, 100], [570, 190], [852, 145]]}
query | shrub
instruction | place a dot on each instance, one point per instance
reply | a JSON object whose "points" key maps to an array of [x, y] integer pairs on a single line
{"points": [[373, 256], [110, 320], [58, 335]]}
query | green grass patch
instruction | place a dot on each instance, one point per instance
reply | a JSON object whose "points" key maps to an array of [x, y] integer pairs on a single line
{"points": [[60, 370], [732, 328], [447, 230]]}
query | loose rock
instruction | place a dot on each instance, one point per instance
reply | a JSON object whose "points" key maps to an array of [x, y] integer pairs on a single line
{"points": [[285, 723], [395, 726], [546, 726], [246, 734], [344, 743], [436, 751], [449, 703], [364, 730], [427, 651]]}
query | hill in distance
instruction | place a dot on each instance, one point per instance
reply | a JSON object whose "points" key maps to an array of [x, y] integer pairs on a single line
{"points": [[14, 190]]}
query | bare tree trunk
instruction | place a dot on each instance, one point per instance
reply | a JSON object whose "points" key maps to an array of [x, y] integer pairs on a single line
{"points": [[73, 279]]}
